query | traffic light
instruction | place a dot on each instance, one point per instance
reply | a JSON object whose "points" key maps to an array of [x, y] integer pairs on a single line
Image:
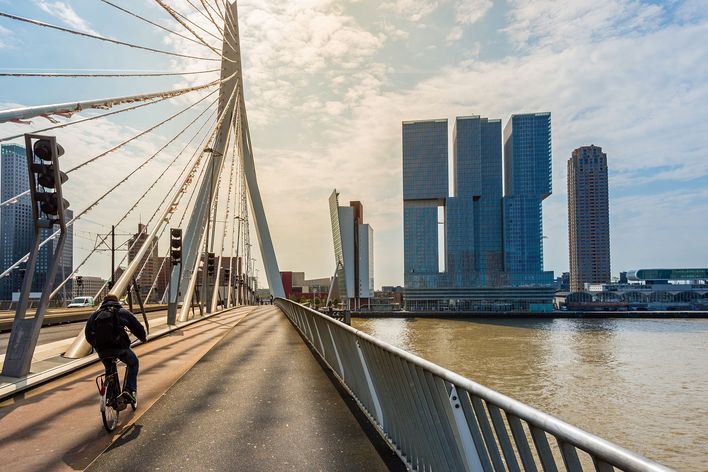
{"points": [[227, 273], [44, 166], [210, 263], [79, 280], [175, 246]]}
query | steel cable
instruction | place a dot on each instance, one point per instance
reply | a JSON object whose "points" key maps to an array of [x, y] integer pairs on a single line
{"points": [[176, 16], [51, 74], [150, 22], [96, 202], [103, 38]]}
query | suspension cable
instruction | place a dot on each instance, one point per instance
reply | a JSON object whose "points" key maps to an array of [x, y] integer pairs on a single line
{"points": [[197, 9], [96, 202], [150, 22], [176, 16], [218, 10], [103, 38], [142, 133], [187, 165], [51, 74], [24, 113]]}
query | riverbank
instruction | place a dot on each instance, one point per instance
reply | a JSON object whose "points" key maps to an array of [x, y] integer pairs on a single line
{"points": [[537, 315]]}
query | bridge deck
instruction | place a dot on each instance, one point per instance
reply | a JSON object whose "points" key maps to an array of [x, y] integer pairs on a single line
{"points": [[258, 400], [252, 398]]}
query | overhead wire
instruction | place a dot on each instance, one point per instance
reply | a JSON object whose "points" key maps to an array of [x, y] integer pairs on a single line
{"points": [[196, 154], [106, 39]]}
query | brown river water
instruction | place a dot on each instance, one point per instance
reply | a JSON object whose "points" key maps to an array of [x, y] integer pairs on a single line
{"points": [[642, 384]]}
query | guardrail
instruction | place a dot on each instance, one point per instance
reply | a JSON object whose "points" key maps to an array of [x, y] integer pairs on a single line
{"points": [[435, 419]]}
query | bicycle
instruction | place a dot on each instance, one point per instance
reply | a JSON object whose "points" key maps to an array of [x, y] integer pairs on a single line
{"points": [[112, 400]]}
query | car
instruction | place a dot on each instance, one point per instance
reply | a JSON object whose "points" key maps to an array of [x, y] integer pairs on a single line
{"points": [[81, 302]]}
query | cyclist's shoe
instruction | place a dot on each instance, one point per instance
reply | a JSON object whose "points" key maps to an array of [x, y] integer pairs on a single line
{"points": [[131, 397]]}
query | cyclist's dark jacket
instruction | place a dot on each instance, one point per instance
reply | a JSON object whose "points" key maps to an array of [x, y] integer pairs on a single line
{"points": [[125, 319]]}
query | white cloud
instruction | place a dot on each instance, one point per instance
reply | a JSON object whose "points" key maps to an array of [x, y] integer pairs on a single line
{"points": [[547, 23], [65, 13], [413, 10], [468, 12]]}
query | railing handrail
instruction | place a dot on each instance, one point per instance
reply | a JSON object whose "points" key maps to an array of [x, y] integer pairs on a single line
{"points": [[588, 442]]}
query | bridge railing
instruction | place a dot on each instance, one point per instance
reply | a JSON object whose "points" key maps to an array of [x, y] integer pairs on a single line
{"points": [[436, 419]]}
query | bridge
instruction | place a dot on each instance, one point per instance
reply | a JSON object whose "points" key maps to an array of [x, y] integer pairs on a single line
{"points": [[225, 383]]}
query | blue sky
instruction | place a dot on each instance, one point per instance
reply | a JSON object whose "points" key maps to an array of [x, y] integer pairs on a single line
{"points": [[329, 82]]}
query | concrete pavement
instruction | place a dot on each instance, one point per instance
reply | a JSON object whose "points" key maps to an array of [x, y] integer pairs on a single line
{"points": [[58, 426], [258, 400]]}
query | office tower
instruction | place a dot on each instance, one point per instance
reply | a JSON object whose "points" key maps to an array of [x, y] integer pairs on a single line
{"points": [[353, 252], [527, 182], [17, 228], [588, 217], [473, 223], [425, 188]]}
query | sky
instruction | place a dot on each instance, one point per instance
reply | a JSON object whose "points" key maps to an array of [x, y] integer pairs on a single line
{"points": [[328, 83]]}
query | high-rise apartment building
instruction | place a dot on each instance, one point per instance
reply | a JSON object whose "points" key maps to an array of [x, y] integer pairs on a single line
{"points": [[17, 228], [353, 252], [588, 217], [527, 182]]}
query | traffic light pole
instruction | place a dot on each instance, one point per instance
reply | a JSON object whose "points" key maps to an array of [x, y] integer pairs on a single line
{"points": [[25, 331]]}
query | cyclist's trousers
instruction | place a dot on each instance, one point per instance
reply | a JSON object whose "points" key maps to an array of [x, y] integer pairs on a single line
{"points": [[130, 360]]}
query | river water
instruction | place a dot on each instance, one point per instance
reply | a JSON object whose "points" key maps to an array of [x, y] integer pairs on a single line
{"points": [[642, 384]]}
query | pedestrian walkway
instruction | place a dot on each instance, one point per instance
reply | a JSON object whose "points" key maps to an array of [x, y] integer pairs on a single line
{"points": [[257, 401], [58, 426]]}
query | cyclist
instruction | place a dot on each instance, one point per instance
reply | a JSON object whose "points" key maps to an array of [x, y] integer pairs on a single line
{"points": [[105, 331]]}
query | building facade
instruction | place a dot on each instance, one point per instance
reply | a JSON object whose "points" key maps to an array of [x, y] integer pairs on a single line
{"points": [[150, 262], [475, 237], [588, 218], [353, 252], [527, 182], [425, 189], [17, 229]]}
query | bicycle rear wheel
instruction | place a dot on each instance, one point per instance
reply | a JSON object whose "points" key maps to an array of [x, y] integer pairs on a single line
{"points": [[109, 411]]}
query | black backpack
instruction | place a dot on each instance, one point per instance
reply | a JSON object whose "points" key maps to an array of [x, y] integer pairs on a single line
{"points": [[107, 330]]}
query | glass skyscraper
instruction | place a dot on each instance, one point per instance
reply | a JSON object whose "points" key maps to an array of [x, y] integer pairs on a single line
{"points": [[473, 223], [527, 182], [17, 227], [425, 188]]}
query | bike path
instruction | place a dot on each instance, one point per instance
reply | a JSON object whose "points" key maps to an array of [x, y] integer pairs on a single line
{"points": [[257, 401], [58, 426]]}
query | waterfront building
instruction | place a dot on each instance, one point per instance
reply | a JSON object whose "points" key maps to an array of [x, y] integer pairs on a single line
{"points": [[425, 188], [353, 252], [454, 245], [473, 216], [527, 182], [588, 217], [646, 289], [17, 229]]}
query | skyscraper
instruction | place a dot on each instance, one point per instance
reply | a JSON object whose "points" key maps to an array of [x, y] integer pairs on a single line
{"points": [[527, 182], [17, 228], [473, 217], [454, 245], [425, 188], [353, 252], [588, 217]]}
